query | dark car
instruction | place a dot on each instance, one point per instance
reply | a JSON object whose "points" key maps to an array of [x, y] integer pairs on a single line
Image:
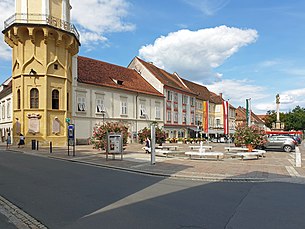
{"points": [[284, 143]]}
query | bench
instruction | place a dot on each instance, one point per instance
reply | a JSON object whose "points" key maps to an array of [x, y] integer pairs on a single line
{"points": [[256, 153], [198, 147], [234, 149], [167, 147], [204, 154], [168, 152]]}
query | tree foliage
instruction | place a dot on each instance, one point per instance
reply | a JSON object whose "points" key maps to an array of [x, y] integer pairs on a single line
{"points": [[294, 120], [160, 135]]}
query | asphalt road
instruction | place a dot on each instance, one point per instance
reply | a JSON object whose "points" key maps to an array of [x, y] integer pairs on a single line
{"points": [[63, 194]]}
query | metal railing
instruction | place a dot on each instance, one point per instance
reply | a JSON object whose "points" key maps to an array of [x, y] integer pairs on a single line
{"points": [[43, 19]]}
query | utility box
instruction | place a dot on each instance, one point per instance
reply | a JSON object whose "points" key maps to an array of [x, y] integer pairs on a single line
{"points": [[114, 145]]}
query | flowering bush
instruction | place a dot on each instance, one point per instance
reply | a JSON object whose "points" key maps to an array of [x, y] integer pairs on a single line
{"points": [[99, 135], [249, 135], [160, 135]]}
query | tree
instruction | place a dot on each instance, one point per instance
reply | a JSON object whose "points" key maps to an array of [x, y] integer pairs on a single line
{"points": [[270, 118], [295, 119]]}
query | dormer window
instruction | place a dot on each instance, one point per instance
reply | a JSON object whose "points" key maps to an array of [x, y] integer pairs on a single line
{"points": [[118, 82]]}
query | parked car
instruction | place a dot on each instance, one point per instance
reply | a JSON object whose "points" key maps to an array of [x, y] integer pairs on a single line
{"points": [[284, 143], [297, 139]]}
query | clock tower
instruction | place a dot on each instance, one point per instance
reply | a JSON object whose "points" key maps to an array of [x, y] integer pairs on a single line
{"points": [[43, 42]]}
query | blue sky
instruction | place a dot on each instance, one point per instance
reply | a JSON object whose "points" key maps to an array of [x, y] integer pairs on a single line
{"points": [[242, 48]]}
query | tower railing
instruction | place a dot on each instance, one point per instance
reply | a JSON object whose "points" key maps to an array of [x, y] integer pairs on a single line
{"points": [[43, 19]]}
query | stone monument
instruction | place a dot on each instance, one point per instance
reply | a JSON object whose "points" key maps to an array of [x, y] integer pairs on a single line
{"points": [[278, 125]]}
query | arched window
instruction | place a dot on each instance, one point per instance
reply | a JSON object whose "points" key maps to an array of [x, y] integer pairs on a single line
{"points": [[18, 99], [34, 100], [55, 99]]}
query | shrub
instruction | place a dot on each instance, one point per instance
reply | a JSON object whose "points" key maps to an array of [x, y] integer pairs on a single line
{"points": [[160, 135], [249, 135], [99, 135]]}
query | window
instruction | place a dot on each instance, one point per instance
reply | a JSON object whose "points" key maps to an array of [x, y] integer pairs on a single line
{"points": [[192, 118], [81, 103], [123, 106], [176, 117], [100, 106], [34, 98], [217, 108], [55, 99], [56, 66], [18, 99], [169, 95], [217, 123], [3, 111], [142, 109], [169, 116], [184, 118], [8, 107], [184, 99], [176, 97], [192, 101], [158, 111], [67, 101]]}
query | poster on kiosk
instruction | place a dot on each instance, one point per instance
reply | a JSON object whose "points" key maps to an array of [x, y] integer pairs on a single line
{"points": [[114, 145]]}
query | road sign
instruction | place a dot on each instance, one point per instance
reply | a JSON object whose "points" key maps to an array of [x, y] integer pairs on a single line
{"points": [[68, 120]]}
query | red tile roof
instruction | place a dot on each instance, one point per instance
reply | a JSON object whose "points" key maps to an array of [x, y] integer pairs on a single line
{"points": [[169, 80], [7, 89], [241, 116], [100, 73], [202, 92], [214, 98]]}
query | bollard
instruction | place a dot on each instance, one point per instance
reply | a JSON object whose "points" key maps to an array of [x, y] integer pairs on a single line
{"points": [[298, 159], [37, 145], [50, 147], [33, 144]]}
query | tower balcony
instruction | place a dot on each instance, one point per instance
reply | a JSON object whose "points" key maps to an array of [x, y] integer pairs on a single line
{"points": [[41, 19]]}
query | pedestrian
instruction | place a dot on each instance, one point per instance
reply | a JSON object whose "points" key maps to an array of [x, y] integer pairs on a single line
{"points": [[8, 141], [147, 145], [21, 140]]}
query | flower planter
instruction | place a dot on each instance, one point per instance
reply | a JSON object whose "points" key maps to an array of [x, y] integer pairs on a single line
{"points": [[250, 147]]}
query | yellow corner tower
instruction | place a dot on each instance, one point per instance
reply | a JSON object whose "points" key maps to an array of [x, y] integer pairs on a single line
{"points": [[43, 42]]}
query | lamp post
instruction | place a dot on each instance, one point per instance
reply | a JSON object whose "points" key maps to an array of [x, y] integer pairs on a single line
{"points": [[103, 114]]}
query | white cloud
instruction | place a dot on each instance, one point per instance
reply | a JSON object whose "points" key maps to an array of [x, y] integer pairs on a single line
{"points": [[7, 9], [95, 18], [208, 7], [237, 91], [195, 53]]}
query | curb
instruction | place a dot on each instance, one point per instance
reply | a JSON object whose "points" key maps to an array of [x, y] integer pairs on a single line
{"points": [[160, 174]]}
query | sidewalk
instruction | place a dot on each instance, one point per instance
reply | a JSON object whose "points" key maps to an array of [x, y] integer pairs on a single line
{"points": [[275, 166]]}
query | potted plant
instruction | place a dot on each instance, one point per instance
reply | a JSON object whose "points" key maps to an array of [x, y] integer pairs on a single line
{"points": [[250, 136]]}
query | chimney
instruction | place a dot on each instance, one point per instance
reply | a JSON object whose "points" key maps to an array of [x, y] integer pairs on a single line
{"points": [[220, 94]]}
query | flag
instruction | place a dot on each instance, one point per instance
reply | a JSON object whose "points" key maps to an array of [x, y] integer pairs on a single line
{"points": [[225, 105], [205, 118], [248, 111]]}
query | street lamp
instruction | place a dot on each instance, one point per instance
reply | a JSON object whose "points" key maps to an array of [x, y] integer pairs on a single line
{"points": [[103, 115]]}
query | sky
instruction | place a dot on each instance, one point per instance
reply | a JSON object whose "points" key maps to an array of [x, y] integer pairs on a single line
{"points": [[240, 48]]}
